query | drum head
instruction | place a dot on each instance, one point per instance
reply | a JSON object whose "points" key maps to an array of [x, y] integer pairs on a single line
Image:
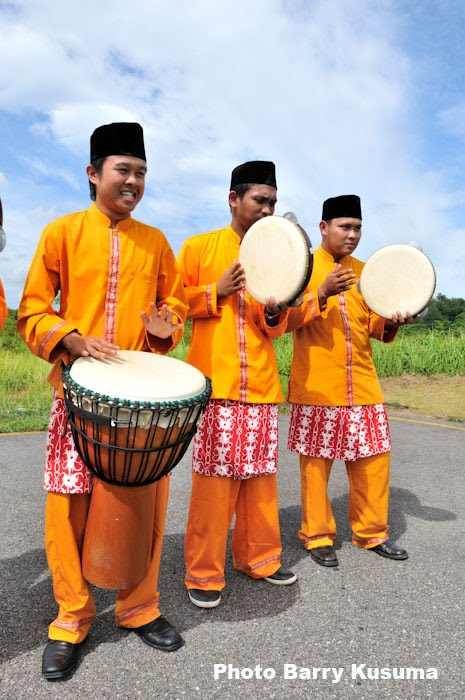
{"points": [[397, 278], [139, 376], [275, 254]]}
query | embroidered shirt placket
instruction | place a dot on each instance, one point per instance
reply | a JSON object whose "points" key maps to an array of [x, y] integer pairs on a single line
{"points": [[241, 321], [111, 297], [348, 337]]}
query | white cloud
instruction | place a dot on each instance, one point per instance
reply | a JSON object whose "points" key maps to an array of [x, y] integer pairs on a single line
{"points": [[322, 88]]}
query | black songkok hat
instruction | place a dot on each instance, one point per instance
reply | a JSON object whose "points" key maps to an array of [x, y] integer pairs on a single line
{"points": [[338, 207], [117, 139], [255, 172]]}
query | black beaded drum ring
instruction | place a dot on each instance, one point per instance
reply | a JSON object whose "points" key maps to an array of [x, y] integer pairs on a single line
{"points": [[132, 442]]}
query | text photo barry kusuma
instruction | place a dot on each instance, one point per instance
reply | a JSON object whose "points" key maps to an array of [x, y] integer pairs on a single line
{"points": [[334, 674]]}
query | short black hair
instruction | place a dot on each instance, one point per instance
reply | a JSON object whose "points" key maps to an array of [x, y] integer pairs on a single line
{"points": [[240, 190], [97, 164]]}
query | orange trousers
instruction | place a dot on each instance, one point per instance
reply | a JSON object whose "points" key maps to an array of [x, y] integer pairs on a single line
{"points": [[65, 523], [256, 540], [368, 501]]}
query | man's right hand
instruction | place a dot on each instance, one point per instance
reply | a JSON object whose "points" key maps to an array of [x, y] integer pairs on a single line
{"points": [[232, 281], [339, 280], [85, 346]]}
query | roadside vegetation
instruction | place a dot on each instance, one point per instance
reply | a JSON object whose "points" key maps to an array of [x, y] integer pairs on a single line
{"points": [[431, 348]]}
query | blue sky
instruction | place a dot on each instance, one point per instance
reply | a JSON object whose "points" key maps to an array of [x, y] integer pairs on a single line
{"points": [[363, 96]]}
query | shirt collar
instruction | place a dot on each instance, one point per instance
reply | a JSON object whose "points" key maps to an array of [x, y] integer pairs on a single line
{"points": [[325, 255], [103, 220], [233, 235]]}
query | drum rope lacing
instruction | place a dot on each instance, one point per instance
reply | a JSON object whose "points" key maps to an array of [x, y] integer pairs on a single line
{"points": [[133, 443]]}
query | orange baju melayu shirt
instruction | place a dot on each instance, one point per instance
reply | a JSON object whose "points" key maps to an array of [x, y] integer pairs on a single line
{"points": [[231, 342], [332, 362], [105, 278], [3, 306]]}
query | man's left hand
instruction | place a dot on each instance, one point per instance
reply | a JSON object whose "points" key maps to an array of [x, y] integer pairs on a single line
{"points": [[399, 319], [160, 322], [273, 307]]}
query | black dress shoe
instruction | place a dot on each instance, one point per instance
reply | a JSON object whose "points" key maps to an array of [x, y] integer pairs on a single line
{"points": [[59, 659], [159, 634], [324, 556], [390, 551]]}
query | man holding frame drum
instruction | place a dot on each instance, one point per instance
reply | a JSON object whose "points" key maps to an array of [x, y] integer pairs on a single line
{"points": [[3, 306], [119, 288], [235, 448], [337, 408]]}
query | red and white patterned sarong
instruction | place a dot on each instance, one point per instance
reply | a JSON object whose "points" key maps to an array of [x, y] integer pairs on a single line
{"points": [[235, 439], [65, 472], [339, 432]]}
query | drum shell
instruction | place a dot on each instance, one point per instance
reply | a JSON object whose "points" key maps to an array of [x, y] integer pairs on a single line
{"points": [[277, 258], [127, 443], [397, 277], [118, 538], [130, 448]]}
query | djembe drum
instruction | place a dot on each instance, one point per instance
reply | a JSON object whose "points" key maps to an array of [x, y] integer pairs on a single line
{"points": [[132, 417], [397, 277], [277, 259]]}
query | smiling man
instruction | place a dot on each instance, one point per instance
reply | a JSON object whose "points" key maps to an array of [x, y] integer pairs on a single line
{"points": [[119, 288], [235, 449], [337, 409]]}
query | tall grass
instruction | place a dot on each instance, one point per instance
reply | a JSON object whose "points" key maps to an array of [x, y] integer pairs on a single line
{"points": [[435, 352], [25, 393], [428, 353]]}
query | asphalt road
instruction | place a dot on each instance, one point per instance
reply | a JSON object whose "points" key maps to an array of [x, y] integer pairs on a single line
{"points": [[370, 612]]}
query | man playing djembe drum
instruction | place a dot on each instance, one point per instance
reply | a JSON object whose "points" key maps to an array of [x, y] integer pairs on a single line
{"points": [[337, 409], [235, 448], [119, 288]]}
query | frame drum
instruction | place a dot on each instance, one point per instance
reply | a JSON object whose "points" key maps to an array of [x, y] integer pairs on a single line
{"points": [[397, 277], [129, 442], [277, 259]]}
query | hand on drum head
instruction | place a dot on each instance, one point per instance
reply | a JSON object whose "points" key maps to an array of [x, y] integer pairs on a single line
{"points": [[399, 319], [160, 322], [85, 346], [273, 307], [232, 280]]}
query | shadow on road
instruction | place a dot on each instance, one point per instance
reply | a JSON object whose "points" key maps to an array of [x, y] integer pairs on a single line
{"points": [[28, 604]]}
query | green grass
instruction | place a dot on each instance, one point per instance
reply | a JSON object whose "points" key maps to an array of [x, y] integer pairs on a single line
{"points": [[434, 352], [25, 394], [425, 352]]}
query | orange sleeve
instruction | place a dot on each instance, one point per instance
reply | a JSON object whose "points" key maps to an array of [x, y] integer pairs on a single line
{"points": [[170, 291], [271, 331], [377, 329], [202, 299], [38, 323], [3, 306], [299, 316]]}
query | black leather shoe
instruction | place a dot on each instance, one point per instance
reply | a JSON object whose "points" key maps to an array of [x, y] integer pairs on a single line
{"points": [[324, 556], [159, 634], [390, 551], [59, 659]]}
